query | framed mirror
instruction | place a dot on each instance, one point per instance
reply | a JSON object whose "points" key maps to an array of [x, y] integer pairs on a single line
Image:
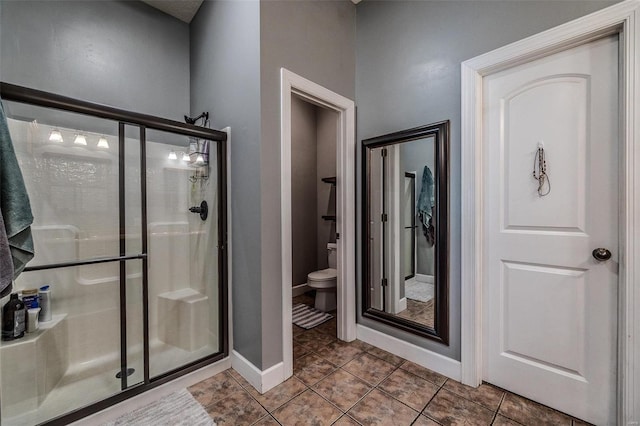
{"points": [[406, 230]]}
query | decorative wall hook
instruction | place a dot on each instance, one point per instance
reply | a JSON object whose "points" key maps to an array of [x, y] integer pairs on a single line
{"points": [[540, 163]]}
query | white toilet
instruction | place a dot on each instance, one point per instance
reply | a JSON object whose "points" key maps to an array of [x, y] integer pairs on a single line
{"points": [[324, 282]]}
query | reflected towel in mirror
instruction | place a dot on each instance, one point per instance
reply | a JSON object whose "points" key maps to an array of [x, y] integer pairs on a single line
{"points": [[426, 202]]}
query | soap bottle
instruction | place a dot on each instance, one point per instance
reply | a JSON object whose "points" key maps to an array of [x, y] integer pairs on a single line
{"points": [[44, 294], [13, 316]]}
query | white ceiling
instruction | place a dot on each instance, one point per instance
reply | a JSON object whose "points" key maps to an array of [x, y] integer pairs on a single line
{"points": [[184, 10]]}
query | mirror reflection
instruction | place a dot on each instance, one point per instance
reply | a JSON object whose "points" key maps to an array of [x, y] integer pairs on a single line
{"points": [[405, 187]]}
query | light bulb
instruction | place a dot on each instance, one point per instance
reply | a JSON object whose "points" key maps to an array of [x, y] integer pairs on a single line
{"points": [[55, 136], [172, 155], [80, 140], [103, 143], [185, 157], [200, 159]]}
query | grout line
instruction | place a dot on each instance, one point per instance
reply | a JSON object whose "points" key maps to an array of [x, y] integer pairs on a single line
{"points": [[403, 403], [434, 395], [342, 412]]}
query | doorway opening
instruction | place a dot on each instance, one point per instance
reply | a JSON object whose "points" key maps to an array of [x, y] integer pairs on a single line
{"points": [[318, 225]]}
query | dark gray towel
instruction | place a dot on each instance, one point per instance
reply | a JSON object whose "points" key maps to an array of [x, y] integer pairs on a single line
{"points": [[14, 202], [6, 263]]}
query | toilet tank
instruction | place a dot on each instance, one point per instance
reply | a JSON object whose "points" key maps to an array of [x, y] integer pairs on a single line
{"points": [[332, 250]]}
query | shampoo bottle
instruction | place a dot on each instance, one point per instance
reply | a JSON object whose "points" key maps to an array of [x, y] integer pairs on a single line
{"points": [[13, 316], [45, 303]]}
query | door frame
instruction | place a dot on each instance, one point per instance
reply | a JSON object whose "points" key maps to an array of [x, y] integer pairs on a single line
{"points": [[622, 18], [293, 84]]}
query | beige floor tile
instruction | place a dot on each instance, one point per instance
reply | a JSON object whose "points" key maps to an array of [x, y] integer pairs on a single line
{"points": [[277, 396], [314, 340], [329, 327], [214, 389], [450, 409], [339, 353], [531, 413], [386, 356], [409, 389], [346, 421], [369, 368], [237, 409], [486, 395], [311, 369], [342, 389], [238, 378], [378, 408], [425, 373], [424, 421], [266, 421], [299, 350], [309, 408], [503, 421], [364, 347]]}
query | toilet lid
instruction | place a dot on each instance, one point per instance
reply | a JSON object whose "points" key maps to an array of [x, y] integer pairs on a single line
{"points": [[324, 274]]}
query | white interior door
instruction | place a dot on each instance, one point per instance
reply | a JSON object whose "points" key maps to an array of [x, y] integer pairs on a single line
{"points": [[376, 245], [550, 308]]}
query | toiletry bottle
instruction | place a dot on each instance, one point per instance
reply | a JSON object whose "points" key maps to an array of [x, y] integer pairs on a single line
{"points": [[45, 303], [30, 298], [13, 316]]}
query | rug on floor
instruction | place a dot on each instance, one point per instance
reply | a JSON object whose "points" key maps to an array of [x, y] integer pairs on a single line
{"points": [[418, 290], [307, 317], [178, 408]]}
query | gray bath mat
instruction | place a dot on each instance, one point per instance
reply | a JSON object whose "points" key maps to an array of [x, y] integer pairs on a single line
{"points": [[307, 317], [418, 290], [176, 409]]}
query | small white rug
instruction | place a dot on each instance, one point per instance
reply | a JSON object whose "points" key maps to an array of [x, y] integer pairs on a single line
{"points": [[416, 290], [307, 317], [176, 409]]}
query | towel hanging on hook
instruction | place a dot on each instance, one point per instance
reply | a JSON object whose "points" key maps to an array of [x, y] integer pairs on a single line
{"points": [[540, 162]]}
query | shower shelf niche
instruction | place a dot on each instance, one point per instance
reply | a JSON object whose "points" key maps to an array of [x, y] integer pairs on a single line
{"points": [[42, 360]]}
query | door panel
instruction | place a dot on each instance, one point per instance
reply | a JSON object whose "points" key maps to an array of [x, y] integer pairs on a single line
{"points": [[550, 307]]}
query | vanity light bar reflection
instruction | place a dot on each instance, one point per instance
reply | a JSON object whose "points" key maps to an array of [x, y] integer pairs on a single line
{"points": [[80, 139], [185, 157]]}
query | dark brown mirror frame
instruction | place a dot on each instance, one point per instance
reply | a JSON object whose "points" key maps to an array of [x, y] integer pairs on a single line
{"points": [[440, 131]]}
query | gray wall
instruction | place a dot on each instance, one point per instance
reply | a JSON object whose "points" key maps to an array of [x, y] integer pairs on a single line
{"points": [[408, 74], [225, 80], [120, 53], [304, 198], [327, 151], [315, 39]]}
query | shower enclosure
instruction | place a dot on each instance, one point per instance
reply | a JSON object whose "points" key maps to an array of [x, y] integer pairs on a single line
{"points": [[137, 272]]}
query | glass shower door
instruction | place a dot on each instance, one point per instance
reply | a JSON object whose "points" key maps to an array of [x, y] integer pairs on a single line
{"points": [[182, 202], [71, 165]]}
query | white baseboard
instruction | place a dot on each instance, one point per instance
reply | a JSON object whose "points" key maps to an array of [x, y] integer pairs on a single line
{"points": [[115, 411], [421, 356], [425, 278], [402, 304], [299, 290], [262, 381]]}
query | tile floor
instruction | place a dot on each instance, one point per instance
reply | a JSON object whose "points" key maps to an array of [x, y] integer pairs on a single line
{"points": [[357, 384]]}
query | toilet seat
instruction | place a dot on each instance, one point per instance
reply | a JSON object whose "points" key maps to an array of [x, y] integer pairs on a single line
{"points": [[323, 275]]}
